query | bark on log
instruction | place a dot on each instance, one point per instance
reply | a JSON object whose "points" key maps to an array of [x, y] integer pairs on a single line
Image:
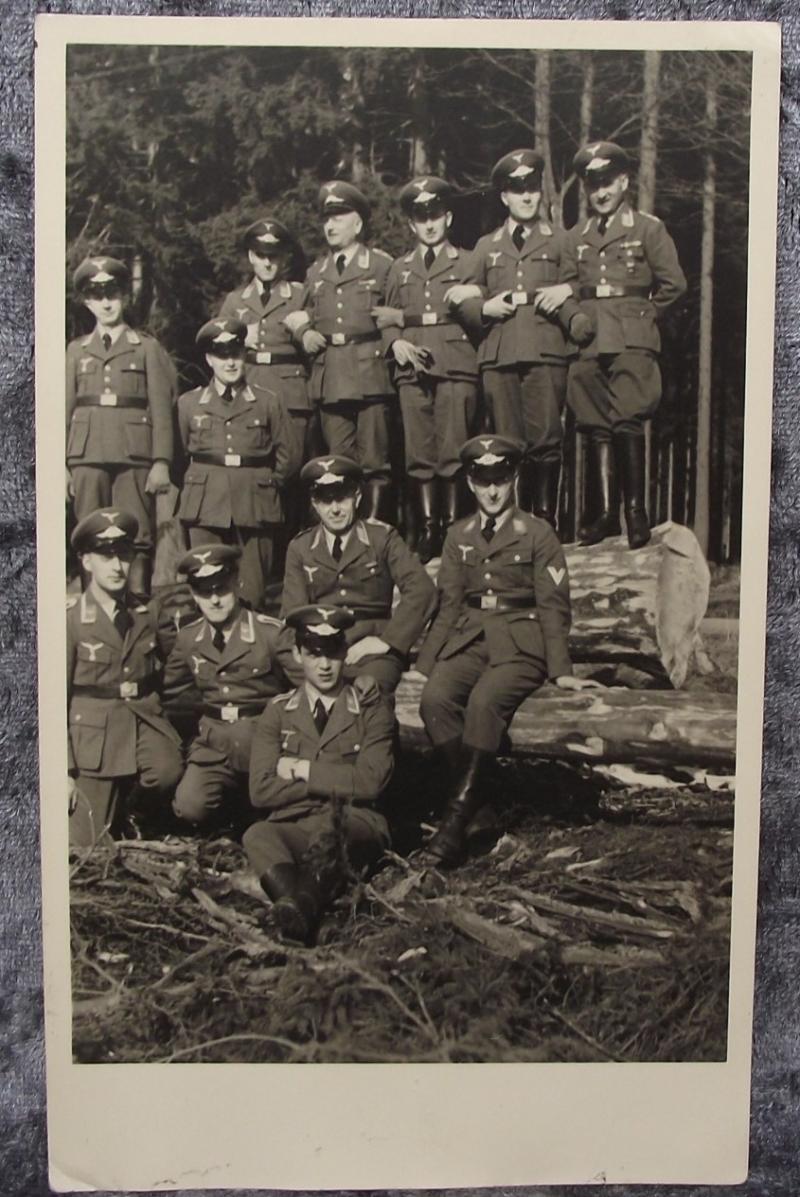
{"points": [[641, 608], [642, 727]]}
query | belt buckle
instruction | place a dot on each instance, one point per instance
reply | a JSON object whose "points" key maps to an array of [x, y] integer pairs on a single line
{"points": [[229, 713], [488, 602], [108, 399], [337, 338], [263, 358], [603, 291], [233, 459], [429, 318], [519, 298], [129, 689]]}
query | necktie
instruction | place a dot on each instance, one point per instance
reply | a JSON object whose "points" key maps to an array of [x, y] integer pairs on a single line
{"points": [[340, 261], [218, 640], [602, 225], [106, 341], [227, 394], [320, 716], [430, 257], [487, 531], [122, 620], [518, 237], [265, 296], [336, 551]]}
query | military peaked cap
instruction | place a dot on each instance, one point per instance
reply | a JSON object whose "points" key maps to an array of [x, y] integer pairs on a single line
{"points": [[600, 160], [221, 336], [484, 455], [268, 234], [99, 271], [423, 194], [208, 564], [338, 196], [518, 165], [330, 471], [108, 526], [321, 629]]}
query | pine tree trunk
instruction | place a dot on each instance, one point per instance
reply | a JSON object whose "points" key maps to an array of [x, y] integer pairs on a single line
{"points": [[541, 99], [587, 105], [420, 162], [703, 451], [647, 193]]}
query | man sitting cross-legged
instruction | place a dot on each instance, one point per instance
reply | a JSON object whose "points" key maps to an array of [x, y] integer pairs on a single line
{"points": [[321, 756]]}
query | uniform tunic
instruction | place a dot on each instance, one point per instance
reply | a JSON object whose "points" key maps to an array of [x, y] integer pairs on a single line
{"points": [[119, 421], [239, 502], [524, 358], [350, 378], [117, 729], [351, 763], [439, 406], [617, 382], [243, 675], [374, 561], [482, 661]]}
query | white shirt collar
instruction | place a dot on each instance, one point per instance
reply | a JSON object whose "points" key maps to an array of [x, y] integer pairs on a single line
{"points": [[331, 536], [349, 253], [115, 333], [312, 694], [499, 520]]}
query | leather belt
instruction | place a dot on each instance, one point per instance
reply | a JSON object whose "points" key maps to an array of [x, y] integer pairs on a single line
{"points": [[270, 357], [612, 291], [123, 690], [351, 338], [422, 319], [231, 712], [229, 459], [109, 399], [501, 602]]}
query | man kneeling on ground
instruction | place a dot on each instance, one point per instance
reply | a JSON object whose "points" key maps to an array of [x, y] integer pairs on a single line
{"points": [[321, 756]]}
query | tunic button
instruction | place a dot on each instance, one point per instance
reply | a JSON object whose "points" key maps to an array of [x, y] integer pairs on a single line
{"points": [[602, 253], [427, 307], [226, 689], [339, 320], [255, 670], [77, 718], [519, 274], [340, 305], [126, 669], [222, 673], [343, 593], [338, 290], [489, 590], [488, 577]]}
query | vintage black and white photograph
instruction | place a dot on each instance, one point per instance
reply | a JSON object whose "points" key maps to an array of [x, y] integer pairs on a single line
{"points": [[404, 488]]}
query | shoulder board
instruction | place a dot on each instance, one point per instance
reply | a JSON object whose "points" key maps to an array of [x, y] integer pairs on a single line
{"points": [[269, 619], [408, 257], [282, 697], [245, 292], [72, 601], [518, 523], [140, 608], [650, 216], [189, 394], [134, 338], [378, 523], [381, 253], [304, 534], [497, 234], [451, 251]]}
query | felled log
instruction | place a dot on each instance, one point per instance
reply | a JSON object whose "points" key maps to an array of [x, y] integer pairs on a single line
{"points": [[645, 727], [644, 607]]}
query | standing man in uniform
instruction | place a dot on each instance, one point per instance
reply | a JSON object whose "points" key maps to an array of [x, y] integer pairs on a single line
{"points": [[321, 756], [356, 563], [242, 452], [502, 630], [272, 359], [120, 745], [524, 352], [623, 267], [437, 370], [229, 655], [337, 329], [120, 386]]}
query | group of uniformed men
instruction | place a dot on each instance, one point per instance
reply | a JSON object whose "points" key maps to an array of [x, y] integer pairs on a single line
{"points": [[295, 738]]}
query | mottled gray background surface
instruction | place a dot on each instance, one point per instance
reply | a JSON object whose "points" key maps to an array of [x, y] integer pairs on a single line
{"points": [[775, 1131]]}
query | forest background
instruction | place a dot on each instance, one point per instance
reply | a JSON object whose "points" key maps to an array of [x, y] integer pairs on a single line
{"points": [[173, 151]]}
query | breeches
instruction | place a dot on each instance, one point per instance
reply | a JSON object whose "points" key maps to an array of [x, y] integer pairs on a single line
{"points": [[359, 431], [269, 843], [614, 392], [526, 403], [115, 486], [468, 698], [437, 415]]}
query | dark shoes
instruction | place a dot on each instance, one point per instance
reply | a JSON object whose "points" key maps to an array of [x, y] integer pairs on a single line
{"points": [[447, 845], [297, 903]]}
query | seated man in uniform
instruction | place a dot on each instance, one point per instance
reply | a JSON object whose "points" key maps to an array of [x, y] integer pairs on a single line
{"points": [[241, 451], [321, 757], [229, 656], [119, 740], [355, 563], [501, 631]]}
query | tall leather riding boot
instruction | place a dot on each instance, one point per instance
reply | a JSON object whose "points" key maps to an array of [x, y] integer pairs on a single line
{"points": [[376, 500], [544, 490], [604, 468], [525, 486], [447, 844], [296, 900], [450, 502], [630, 450], [428, 539], [139, 577]]}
